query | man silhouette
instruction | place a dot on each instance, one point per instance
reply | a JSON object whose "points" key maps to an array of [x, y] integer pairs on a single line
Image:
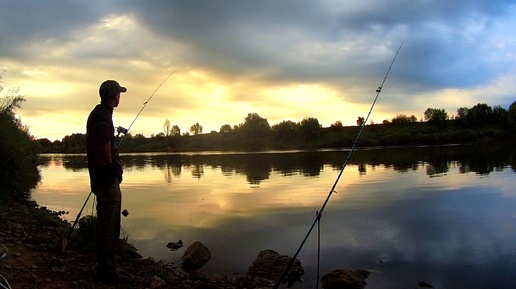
{"points": [[105, 170]]}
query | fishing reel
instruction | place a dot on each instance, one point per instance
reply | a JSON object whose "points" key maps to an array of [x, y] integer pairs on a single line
{"points": [[121, 130]]}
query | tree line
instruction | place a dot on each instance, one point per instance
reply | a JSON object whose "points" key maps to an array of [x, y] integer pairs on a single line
{"points": [[478, 123]]}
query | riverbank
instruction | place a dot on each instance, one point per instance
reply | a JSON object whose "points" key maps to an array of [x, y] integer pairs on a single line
{"points": [[30, 233]]}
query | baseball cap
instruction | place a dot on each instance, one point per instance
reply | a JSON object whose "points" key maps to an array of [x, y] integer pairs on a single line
{"points": [[110, 88]]}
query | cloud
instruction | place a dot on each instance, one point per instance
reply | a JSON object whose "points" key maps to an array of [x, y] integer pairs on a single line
{"points": [[233, 54]]}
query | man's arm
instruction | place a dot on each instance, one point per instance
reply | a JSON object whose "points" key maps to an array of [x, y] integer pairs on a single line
{"points": [[104, 154]]}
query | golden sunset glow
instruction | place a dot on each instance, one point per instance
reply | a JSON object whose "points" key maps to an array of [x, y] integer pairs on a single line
{"points": [[230, 64]]}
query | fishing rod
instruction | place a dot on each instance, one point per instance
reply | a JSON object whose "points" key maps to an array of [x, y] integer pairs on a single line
{"points": [[332, 190], [124, 131]]}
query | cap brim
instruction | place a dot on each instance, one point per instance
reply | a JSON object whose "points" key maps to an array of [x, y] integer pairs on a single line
{"points": [[122, 89]]}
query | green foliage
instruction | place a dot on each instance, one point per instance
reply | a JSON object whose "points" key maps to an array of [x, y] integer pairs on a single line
{"points": [[403, 118], [512, 111], [436, 117], [255, 124], [480, 114], [483, 115], [196, 129], [310, 128], [255, 134], [166, 127], [84, 236], [74, 143], [175, 131], [225, 128], [285, 134], [255, 131], [18, 166]]}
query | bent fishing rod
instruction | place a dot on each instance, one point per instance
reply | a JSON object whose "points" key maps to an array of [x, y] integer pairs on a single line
{"points": [[124, 131], [332, 190]]}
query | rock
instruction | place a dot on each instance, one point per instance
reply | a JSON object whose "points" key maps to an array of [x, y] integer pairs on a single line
{"points": [[424, 284], [345, 279], [156, 282], [194, 275], [270, 265], [3, 251], [195, 257], [127, 250], [175, 245], [61, 244]]}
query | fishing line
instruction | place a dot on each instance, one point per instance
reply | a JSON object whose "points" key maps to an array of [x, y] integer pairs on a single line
{"points": [[124, 131], [348, 159]]}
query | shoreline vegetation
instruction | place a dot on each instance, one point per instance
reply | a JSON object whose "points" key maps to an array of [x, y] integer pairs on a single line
{"points": [[30, 232], [477, 124]]}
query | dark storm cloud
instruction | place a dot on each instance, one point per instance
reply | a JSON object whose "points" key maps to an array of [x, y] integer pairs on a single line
{"points": [[289, 40], [244, 37], [24, 22]]}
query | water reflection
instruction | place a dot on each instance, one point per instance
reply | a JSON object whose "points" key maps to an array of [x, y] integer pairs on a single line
{"points": [[444, 215], [479, 159]]}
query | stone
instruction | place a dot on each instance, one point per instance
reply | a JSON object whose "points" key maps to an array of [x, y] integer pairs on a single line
{"points": [[3, 251], [423, 284], [157, 282], [175, 245], [195, 257], [345, 279], [61, 245], [270, 265]]}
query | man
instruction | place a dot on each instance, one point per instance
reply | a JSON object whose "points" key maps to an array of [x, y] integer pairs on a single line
{"points": [[105, 171]]}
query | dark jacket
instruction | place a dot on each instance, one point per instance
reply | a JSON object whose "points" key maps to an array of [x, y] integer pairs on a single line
{"points": [[99, 131]]}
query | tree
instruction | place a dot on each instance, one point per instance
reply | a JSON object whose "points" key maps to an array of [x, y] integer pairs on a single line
{"points": [[166, 127], [45, 144], [175, 130], [512, 111], [196, 129], [310, 128], [436, 117], [74, 143], [256, 125], [19, 161], [225, 128], [254, 132], [360, 121], [462, 113], [500, 115], [337, 124], [285, 131], [403, 118], [480, 114]]}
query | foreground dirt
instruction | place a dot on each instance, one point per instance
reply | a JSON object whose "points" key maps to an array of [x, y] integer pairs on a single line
{"points": [[31, 234]]}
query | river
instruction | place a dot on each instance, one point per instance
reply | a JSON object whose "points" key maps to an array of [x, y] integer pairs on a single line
{"points": [[443, 215]]}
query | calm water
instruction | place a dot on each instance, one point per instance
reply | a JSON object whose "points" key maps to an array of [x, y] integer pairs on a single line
{"points": [[443, 215]]}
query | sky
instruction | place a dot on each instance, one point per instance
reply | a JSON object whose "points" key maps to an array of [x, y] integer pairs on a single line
{"points": [[284, 60]]}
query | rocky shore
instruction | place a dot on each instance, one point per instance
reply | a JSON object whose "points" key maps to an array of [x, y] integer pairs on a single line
{"points": [[36, 259]]}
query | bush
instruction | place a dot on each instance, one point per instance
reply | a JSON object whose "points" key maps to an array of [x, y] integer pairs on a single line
{"points": [[84, 236], [18, 168]]}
